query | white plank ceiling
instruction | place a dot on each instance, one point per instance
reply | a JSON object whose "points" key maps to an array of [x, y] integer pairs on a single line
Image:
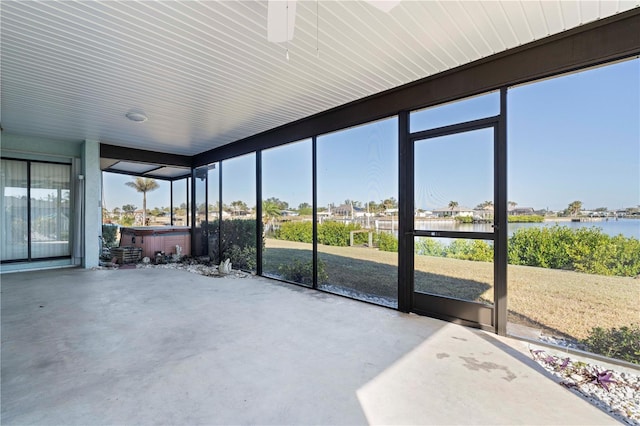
{"points": [[205, 74]]}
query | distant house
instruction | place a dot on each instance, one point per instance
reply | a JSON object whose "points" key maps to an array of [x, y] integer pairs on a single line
{"points": [[424, 213], [348, 210], [484, 213], [521, 211], [458, 211], [289, 213]]}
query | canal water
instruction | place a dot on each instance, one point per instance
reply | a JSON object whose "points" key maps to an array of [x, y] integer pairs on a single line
{"points": [[626, 227], [613, 227]]}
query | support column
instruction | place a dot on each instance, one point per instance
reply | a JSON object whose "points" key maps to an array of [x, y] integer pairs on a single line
{"points": [[92, 228], [405, 215]]}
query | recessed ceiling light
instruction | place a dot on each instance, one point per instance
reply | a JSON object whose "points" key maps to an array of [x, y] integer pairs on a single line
{"points": [[138, 117]]}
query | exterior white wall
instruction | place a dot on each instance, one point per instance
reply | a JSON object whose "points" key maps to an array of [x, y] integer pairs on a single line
{"points": [[32, 148]]}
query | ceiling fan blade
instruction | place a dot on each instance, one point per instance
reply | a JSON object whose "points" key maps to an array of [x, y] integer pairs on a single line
{"points": [[280, 21], [384, 5]]}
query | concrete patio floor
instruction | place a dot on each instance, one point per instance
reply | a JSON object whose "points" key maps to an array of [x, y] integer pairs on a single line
{"points": [[155, 346]]}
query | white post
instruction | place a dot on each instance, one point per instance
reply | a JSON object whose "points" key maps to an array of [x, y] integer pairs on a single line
{"points": [[92, 202]]}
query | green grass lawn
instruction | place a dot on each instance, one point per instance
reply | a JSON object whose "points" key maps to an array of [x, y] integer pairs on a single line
{"points": [[563, 302]]}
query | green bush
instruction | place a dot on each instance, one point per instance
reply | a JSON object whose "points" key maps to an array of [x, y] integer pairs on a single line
{"points": [[476, 250], [302, 272], [242, 258], [627, 253], [238, 242], [109, 233], [296, 231], [127, 220], [535, 218], [589, 252], [337, 234], [464, 219], [586, 250], [430, 247], [386, 241], [333, 234], [620, 343], [543, 247]]}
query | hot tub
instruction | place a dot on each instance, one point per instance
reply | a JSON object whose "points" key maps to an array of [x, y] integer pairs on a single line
{"points": [[152, 239]]}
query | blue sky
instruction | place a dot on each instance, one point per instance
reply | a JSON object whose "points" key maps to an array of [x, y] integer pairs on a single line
{"points": [[286, 173], [576, 137]]}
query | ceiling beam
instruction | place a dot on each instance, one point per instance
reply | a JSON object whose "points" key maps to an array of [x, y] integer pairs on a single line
{"points": [[144, 156]]}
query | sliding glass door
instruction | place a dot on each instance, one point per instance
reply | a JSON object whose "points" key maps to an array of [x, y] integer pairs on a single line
{"points": [[36, 206]]}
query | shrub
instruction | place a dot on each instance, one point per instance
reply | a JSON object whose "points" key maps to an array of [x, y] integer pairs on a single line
{"points": [[238, 232], [543, 247], [590, 252], [127, 220], [586, 250], [329, 233], [386, 241], [476, 250], [464, 219], [627, 253], [430, 247], [302, 272], [109, 233], [296, 231], [535, 218], [241, 258], [337, 234], [238, 242], [620, 343]]}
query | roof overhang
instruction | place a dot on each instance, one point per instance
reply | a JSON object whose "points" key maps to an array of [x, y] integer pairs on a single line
{"points": [[206, 76]]}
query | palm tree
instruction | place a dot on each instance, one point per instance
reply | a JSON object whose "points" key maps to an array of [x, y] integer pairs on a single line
{"points": [[105, 215], [484, 205], [574, 208], [239, 206], [143, 185], [453, 205], [390, 203], [270, 210]]}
